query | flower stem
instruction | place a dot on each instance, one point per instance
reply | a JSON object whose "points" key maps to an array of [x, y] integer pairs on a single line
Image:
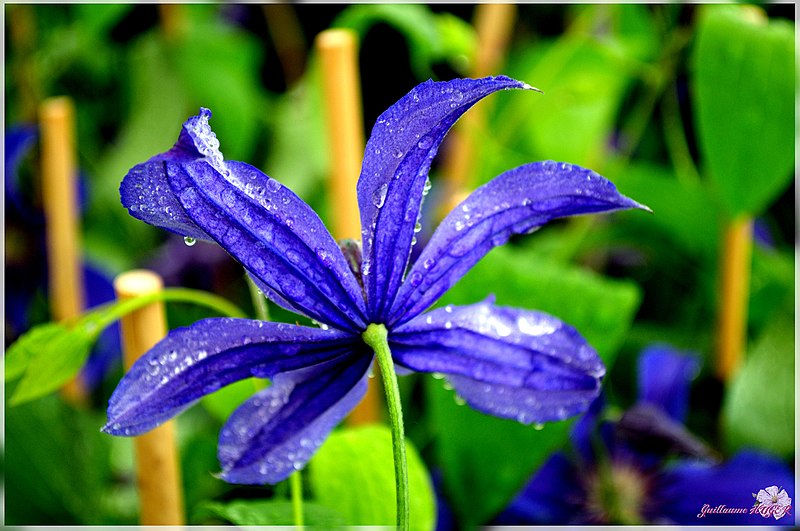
{"points": [[376, 336], [295, 480]]}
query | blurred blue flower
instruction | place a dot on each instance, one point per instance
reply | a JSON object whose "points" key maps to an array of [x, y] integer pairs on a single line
{"points": [[508, 362], [26, 262], [646, 467]]}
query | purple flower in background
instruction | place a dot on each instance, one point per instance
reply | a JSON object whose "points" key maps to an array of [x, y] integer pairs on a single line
{"points": [[621, 472], [508, 362]]}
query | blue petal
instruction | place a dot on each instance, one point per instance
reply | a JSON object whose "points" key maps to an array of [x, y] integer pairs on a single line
{"points": [[277, 431], [276, 236], [516, 202], [145, 190], [552, 496], [18, 142], [194, 361], [687, 487], [665, 375], [390, 189], [508, 362]]}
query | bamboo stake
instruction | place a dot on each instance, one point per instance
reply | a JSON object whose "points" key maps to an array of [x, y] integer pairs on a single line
{"points": [[157, 468], [60, 203], [735, 287], [493, 24], [338, 52]]}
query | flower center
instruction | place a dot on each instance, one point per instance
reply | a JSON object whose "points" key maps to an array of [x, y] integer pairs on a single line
{"points": [[616, 494]]}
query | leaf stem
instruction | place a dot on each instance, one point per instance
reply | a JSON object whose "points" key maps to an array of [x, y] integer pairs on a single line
{"points": [[377, 337], [296, 489]]}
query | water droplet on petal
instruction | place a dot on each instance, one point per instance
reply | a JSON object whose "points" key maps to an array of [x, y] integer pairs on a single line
{"points": [[273, 185], [189, 241], [425, 142], [379, 197]]}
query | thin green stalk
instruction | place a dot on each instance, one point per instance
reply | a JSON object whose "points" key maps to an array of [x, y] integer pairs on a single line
{"points": [[259, 301], [296, 489], [376, 336], [295, 480]]}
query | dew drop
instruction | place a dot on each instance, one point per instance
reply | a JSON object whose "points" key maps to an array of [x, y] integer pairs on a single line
{"points": [[398, 154], [418, 227], [538, 427], [429, 263], [425, 142], [273, 185], [379, 197], [189, 241]]}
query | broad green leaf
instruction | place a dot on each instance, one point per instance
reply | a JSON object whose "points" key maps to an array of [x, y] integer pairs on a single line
{"points": [[758, 411], [485, 460], [683, 210], [353, 472], [272, 512], [744, 88], [55, 468], [772, 283]]}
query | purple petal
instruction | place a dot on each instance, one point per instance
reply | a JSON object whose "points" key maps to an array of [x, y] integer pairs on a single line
{"points": [[277, 431], [145, 190], [194, 361], [553, 496], [665, 375], [686, 488], [397, 158], [508, 362], [275, 235], [516, 202]]}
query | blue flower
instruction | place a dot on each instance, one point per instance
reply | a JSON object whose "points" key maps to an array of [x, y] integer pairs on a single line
{"points": [[622, 472], [508, 362]]}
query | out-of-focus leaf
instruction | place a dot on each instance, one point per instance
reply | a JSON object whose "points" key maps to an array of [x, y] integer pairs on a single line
{"points": [[759, 406], [744, 87], [772, 283], [158, 108], [298, 155], [219, 68], [353, 473], [431, 37], [220, 404], [683, 210], [98, 19], [583, 82], [485, 460], [55, 465], [272, 512]]}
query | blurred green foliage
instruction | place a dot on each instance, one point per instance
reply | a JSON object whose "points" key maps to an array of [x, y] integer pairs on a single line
{"points": [[688, 109]]}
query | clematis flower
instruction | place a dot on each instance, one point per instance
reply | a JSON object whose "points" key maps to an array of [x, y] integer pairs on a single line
{"points": [[648, 468], [508, 362]]}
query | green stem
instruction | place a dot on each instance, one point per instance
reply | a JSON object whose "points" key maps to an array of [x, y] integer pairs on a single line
{"points": [[259, 300], [377, 337], [296, 489]]}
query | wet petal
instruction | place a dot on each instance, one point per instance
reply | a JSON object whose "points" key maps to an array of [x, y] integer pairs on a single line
{"points": [[145, 190], [508, 362], [277, 431], [194, 361], [665, 375], [393, 178], [688, 487], [516, 202], [275, 235]]}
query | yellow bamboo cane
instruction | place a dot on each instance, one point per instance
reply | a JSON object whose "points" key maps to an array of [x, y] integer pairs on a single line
{"points": [[60, 204], [734, 293], [157, 468], [338, 53]]}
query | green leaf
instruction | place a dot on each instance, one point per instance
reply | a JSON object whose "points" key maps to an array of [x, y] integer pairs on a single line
{"points": [[683, 210], [354, 473], [600, 308], [220, 404], [272, 512], [744, 87], [56, 355], [485, 460], [759, 405], [20, 353]]}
